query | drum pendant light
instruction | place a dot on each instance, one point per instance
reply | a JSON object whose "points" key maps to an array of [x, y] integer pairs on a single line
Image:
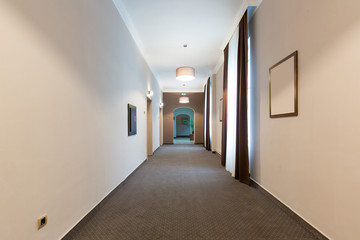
{"points": [[185, 73]]}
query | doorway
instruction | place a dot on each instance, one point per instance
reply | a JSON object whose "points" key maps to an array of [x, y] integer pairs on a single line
{"points": [[149, 128], [184, 126], [161, 127]]}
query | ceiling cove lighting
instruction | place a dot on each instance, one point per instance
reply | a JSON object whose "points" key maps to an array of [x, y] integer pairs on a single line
{"points": [[184, 100], [185, 73]]}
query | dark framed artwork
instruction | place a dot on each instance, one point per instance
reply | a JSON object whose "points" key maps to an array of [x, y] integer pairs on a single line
{"points": [[131, 120], [284, 87], [220, 109]]}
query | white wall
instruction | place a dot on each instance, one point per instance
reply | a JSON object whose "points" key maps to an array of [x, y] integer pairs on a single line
{"points": [[311, 162], [156, 99], [67, 71]]}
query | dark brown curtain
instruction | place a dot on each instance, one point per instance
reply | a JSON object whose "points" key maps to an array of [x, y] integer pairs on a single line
{"points": [[242, 155], [224, 110], [208, 143], [204, 144]]}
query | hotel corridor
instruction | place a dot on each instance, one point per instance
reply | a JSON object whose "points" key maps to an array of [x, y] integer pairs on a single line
{"points": [[182, 192]]}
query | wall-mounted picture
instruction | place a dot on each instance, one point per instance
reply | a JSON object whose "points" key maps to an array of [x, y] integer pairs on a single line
{"points": [[220, 109], [284, 87], [131, 120]]}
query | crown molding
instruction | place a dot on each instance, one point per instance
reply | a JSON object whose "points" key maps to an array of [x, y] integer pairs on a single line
{"points": [[220, 62], [239, 15], [133, 32]]}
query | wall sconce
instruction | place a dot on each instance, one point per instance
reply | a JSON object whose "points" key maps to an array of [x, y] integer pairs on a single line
{"points": [[161, 105], [150, 94]]}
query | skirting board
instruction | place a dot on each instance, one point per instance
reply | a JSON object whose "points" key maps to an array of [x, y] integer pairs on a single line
{"points": [[217, 154], [288, 211], [98, 207]]}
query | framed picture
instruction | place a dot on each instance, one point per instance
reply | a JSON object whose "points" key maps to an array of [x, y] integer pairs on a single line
{"points": [[284, 87], [220, 109], [131, 120]]}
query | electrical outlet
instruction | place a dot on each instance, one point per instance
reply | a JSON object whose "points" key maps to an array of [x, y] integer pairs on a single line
{"points": [[42, 222]]}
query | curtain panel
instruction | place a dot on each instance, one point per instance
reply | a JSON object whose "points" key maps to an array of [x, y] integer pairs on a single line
{"points": [[224, 109], [207, 140], [242, 153], [234, 147], [232, 103], [205, 110]]}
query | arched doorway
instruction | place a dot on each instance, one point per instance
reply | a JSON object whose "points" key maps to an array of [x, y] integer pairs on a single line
{"points": [[183, 126]]}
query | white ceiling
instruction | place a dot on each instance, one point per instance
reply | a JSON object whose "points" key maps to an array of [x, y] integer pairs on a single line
{"points": [[161, 28]]}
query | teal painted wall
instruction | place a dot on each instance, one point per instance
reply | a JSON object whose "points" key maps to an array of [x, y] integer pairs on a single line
{"points": [[178, 111]]}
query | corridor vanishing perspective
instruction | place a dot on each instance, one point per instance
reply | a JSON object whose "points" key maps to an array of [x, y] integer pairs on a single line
{"points": [[183, 192]]}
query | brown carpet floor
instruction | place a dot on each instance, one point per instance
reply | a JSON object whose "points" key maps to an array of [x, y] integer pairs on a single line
{"points": [[183, 192]]}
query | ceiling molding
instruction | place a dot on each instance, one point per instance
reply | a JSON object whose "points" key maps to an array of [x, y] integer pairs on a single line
{"points": [[129, 24], [239, 15], [196, 90], [133, 32], [234, 25], [254, 2], [220, 62]]}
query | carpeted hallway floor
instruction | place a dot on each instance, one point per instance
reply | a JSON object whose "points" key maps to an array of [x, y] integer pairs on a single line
{"points": [[183, 192]]}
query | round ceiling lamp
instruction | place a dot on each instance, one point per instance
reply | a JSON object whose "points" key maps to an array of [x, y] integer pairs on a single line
{"points": [[184, 100], [185, 73]]}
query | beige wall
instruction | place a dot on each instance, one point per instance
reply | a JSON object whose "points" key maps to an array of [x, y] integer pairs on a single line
{"points": [[171, 102], [68, 71], [311, 162]]}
